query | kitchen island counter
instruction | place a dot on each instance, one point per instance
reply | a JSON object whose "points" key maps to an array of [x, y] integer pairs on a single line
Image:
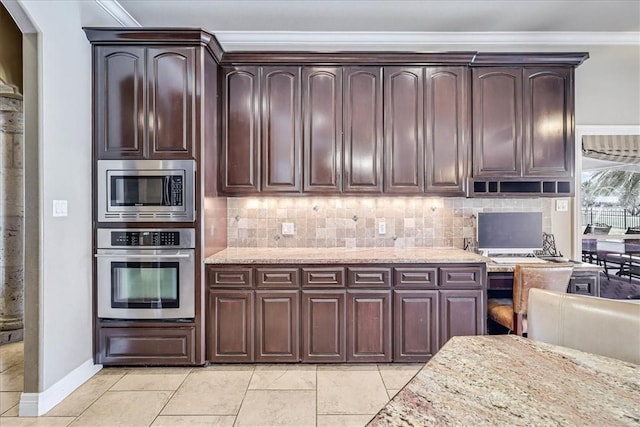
{"points": [[510, 380]]}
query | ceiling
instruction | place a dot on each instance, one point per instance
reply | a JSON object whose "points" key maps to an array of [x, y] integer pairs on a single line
{"points": [[379, 24]]}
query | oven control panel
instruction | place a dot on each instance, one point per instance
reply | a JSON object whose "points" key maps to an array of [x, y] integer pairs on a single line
{"points": [[145, 238], [139, 238]]}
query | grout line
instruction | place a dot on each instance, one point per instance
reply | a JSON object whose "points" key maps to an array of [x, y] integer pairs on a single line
{"points": [[172, 395], [244, 396]]}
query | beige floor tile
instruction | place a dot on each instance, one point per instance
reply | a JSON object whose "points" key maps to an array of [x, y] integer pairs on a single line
{"points": [[36, 421], [124, 408], [343, 420], [348, 367], [210, 392], [392, 392], [11, 354], [151, 381], [396, 377], [199, 420], [107, 370], [12, 379], [296, 408], [159, 370], [13, 412], [284, 377], [81, 398], [8, 399], [350, 392], [228, 367]]}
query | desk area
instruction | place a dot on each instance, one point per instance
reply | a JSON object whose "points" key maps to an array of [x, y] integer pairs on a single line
{"points": [[510, 380]]}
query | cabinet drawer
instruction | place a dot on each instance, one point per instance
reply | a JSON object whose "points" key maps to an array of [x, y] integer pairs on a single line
{"points": [[230, 277], [464, 277], [405, 277], [368, 277], [277, 277], [325, 277]]}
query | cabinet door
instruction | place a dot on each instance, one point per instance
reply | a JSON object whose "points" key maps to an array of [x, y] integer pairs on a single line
{"points": [[322, 129], [548, 122], [415, 325], [403, 130], [368, 326], [462, 313], [230, 326], [171, 101], [277, 323], [585, 283], [447, 129], [280, 93], [323, 326], [497, 122], [362, 110], [119, 102], [239, 158]]}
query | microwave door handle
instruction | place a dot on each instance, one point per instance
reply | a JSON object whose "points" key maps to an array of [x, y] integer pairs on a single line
{"points": [[145, 256], [167, 190]]}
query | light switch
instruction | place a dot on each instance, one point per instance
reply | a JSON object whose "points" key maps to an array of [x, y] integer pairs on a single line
{"points": [[288, 229], [562, 205], [60, 208]]}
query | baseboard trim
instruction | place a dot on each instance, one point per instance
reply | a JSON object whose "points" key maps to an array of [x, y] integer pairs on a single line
{"points": [[36, 404]]}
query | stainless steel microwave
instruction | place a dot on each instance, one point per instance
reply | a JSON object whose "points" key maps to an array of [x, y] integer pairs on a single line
{"points": [[146, 190]]}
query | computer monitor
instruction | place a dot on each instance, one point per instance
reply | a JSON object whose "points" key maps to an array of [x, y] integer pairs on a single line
{"points": [[509, 232]]}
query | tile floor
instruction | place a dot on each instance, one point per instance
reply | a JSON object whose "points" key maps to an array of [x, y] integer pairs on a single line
{"points": [[218, 395]]}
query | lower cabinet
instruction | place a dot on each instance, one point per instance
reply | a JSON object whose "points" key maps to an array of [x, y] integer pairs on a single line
{"points": [[369, 326], [323, 326], [132, 345], [462, 312], [230, 326], [277, 326], [314, 315], [415, 325], [585, 283]]}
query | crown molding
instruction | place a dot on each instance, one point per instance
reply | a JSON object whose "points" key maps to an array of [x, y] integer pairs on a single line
{"points": [[119, 13], [275, 40]]}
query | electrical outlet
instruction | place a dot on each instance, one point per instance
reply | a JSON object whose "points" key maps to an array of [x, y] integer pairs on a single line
{"points": [[382, 227], [60, 208], [288, 229]]}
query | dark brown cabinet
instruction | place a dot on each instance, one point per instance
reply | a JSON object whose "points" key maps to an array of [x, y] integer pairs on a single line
{"points": [[230, 326], [323, 326], [144, 101], [322, 129], [369, 326], [415, 325], [462, 313], [403, 130], [280, 136], [523, 130], [277, 326], [240, 160], [447, 130], [362, 130]]}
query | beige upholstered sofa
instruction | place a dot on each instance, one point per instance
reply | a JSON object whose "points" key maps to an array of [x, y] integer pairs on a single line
{"points": [[595, 325]]}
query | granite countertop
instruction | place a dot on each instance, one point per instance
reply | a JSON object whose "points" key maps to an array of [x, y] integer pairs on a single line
{"points": [[493, 267], [510, 380], [342, 256]]}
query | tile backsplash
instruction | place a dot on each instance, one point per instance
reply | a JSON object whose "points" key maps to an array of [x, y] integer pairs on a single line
{"points": [[354, 221]]}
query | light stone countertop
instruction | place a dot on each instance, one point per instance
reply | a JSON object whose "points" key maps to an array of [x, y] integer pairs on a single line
{"points": [[343, 256], [509, 380]]}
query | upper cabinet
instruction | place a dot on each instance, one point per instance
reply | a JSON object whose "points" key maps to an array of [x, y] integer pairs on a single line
{"points": [[523, 124], [144, 101]]}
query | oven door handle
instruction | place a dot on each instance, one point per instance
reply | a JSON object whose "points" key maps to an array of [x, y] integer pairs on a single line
{"points": [[146, 256]]}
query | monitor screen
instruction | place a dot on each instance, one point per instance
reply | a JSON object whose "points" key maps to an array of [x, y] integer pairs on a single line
{"points": [[512, 232]]}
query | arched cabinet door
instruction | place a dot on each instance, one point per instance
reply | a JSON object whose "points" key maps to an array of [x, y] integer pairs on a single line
{"points": [[239, 162], [363, 128], [497, 122], [447, 129], [171, 102], [403, 130], [119, 102], [548, 122]]}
